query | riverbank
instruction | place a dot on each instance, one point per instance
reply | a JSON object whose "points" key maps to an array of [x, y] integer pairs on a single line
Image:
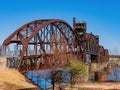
{"points": [[90, 86], [11, 79], [94, 86]]}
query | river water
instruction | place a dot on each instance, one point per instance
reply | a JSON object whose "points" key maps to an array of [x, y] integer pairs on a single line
{"points": [[42, 77], [115, 75]]}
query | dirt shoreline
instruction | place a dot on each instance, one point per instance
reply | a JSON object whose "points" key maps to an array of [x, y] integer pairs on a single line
{"points": [[11, 79], [94, 86]]}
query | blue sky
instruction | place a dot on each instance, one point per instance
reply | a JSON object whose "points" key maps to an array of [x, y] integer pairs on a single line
{"points": [[102, 16]]}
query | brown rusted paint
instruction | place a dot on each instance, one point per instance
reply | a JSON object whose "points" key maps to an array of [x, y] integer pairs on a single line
{"points": [[76, 38]]}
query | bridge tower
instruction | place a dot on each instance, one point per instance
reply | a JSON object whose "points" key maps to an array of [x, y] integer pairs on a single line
{"points": [[80, 31]]}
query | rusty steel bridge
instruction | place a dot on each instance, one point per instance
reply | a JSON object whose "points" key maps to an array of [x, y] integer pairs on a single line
{"points": [[53, 42]]}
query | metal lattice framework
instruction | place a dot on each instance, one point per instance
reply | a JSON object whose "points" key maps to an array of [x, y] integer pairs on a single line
{"points": [[91, 44], [103, 54], [50, 43], [42, 36]]}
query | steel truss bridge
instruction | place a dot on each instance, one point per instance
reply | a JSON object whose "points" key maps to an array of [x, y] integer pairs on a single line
{"points": [[51, 43]]}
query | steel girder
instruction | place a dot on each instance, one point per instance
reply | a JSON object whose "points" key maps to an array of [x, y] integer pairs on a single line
{"points": [[92, 43], [96, 51], [103, 54], [42, 36], [43, 39]]}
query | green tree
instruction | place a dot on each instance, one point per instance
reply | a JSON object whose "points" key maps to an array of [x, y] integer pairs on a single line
{"points": [[79, 71]]}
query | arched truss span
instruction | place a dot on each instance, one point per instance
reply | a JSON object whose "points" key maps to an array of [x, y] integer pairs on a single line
{"points": [[42, 36], [103, 55], [91, 44]]}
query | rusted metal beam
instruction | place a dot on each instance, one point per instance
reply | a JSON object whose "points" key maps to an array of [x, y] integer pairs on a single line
{"points": [[48, 37]]}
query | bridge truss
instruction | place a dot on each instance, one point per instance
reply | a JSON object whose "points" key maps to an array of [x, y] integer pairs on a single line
{"points": [[43, 43]]}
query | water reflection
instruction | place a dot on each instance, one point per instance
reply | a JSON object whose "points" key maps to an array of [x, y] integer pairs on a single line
{"points": [[40, 77], [115, 75], [43, 77]]}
